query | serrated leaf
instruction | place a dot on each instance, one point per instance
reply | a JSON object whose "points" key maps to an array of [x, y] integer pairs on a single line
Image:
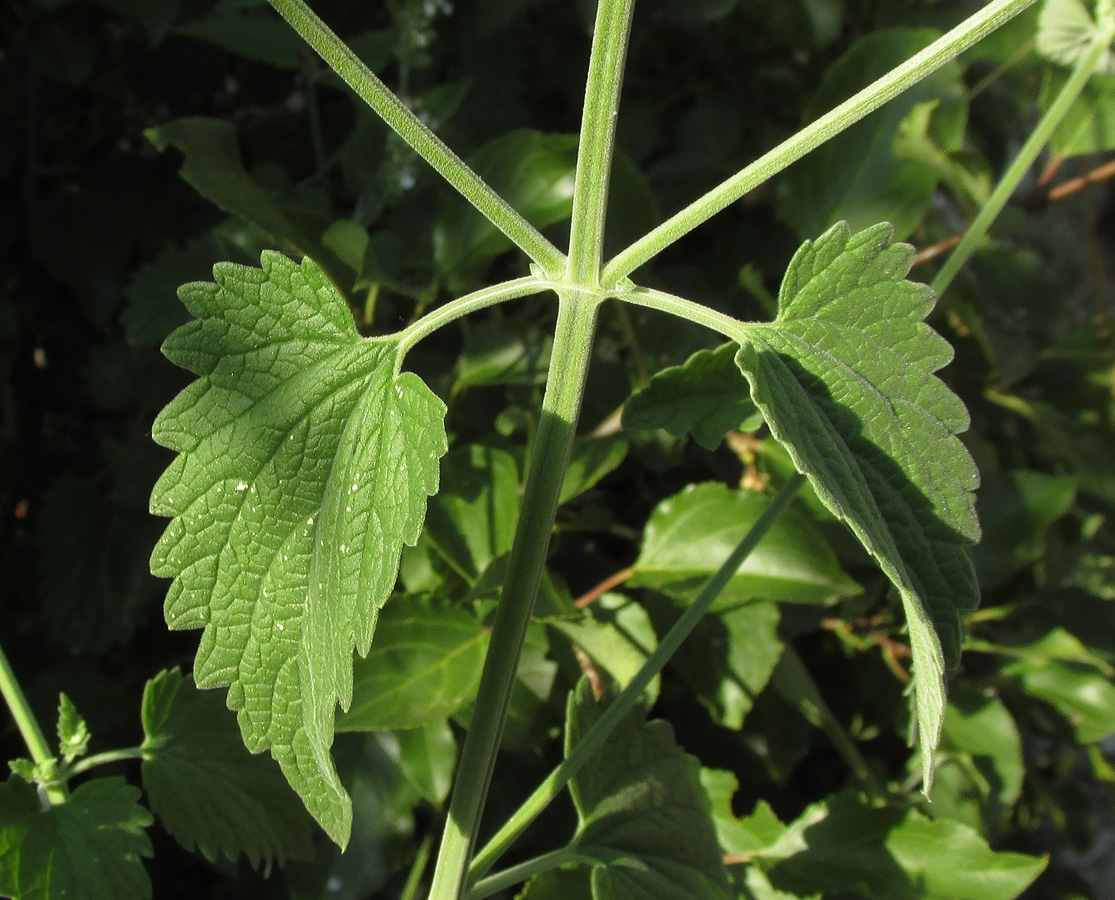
{"points": [[890, 853], [208, 791], [704, 397], [689, 535], [73, 733], [304, 465], [1066, 30], [424, 665], [24, 768], [844, 377], [645, 825], [87, 848]]}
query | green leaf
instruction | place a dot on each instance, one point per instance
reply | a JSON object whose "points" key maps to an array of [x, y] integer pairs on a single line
{"points": [[705, 397], [88, 848], [689, 536], [618, 635], [213, 167], [423, 666], [533, 172], [1066, 29], [644, 821], [592, 458], [502, 352], [739, 836], [257, 36], [844, 377], [73, 733], [889, 853], [729, 659], [1060, 671], [1089, 125], [427, 759], [304, 465], [1016, 509], [857, 176], [472, 520], [208, 791]]}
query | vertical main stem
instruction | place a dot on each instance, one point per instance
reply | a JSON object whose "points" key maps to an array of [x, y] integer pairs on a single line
{"points": [[560, 408]]}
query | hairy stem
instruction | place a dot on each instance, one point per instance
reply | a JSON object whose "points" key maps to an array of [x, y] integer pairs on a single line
{"points": [[28, 725], [598, 134], [1017, 170], [630, 695], [552, 445], [919, 66], [418, 135]]}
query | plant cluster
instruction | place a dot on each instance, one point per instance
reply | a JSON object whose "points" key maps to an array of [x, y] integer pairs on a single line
{"points": [[526, 537]]}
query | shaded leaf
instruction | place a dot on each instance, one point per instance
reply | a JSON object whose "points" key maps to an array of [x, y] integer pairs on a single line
{"points": [[891, 853], [645, 824], [689, 536], [304, 465], [423, 666], [857, 176], [844, 377], [705, 397], [1066, 29], [427, 759], [592, 458], [88, 848], [208, 791]]}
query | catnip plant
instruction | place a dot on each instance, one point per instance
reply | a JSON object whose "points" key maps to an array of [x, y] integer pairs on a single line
{"points": [[307, 454]]}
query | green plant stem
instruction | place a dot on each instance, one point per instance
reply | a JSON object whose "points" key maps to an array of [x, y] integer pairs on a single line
{"points": [[519, 873], [550, 456], [28, 725], [449, 312], [919, 66], [418, 869], [1017, 170], [633, 692], [598, 133], [412, 130], [101, 759], [685, 309]]}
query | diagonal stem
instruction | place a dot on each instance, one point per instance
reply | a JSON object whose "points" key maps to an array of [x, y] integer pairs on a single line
{"points": [[919, 66], [419, 136], [1017, 170], [28, 725], [630, 695]]}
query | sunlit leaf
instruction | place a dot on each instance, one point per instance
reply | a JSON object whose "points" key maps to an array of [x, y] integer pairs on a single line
{"points": [[304, 465]]}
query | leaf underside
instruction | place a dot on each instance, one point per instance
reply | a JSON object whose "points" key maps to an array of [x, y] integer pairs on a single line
{"points": [[844, 377], [304, 463]]}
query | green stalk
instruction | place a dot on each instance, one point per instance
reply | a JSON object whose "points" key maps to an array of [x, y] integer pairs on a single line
{"points": [[919, 66], [552, 445], [598, 134], [522, 872], [1017, 170], [412, 130], [565, 386], [28, 725], [632, 694]]}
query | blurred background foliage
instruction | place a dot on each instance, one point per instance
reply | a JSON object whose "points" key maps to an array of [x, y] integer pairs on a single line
{"points": [[143, 140]]}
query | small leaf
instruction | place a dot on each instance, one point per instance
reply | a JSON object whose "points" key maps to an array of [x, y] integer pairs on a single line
{"points": [[304, 465], [87, 848], [24, 768], [618, 635], [208, 791], [73, 733], [423, 666], [729, 659], [427, 759], [705, 397], [844, 377], [858, 176], [1066, 30], [645, 825], [689, 536], [890, 853]]}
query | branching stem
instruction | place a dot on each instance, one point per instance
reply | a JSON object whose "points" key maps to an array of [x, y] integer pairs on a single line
{"points": [[28, 725]]}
